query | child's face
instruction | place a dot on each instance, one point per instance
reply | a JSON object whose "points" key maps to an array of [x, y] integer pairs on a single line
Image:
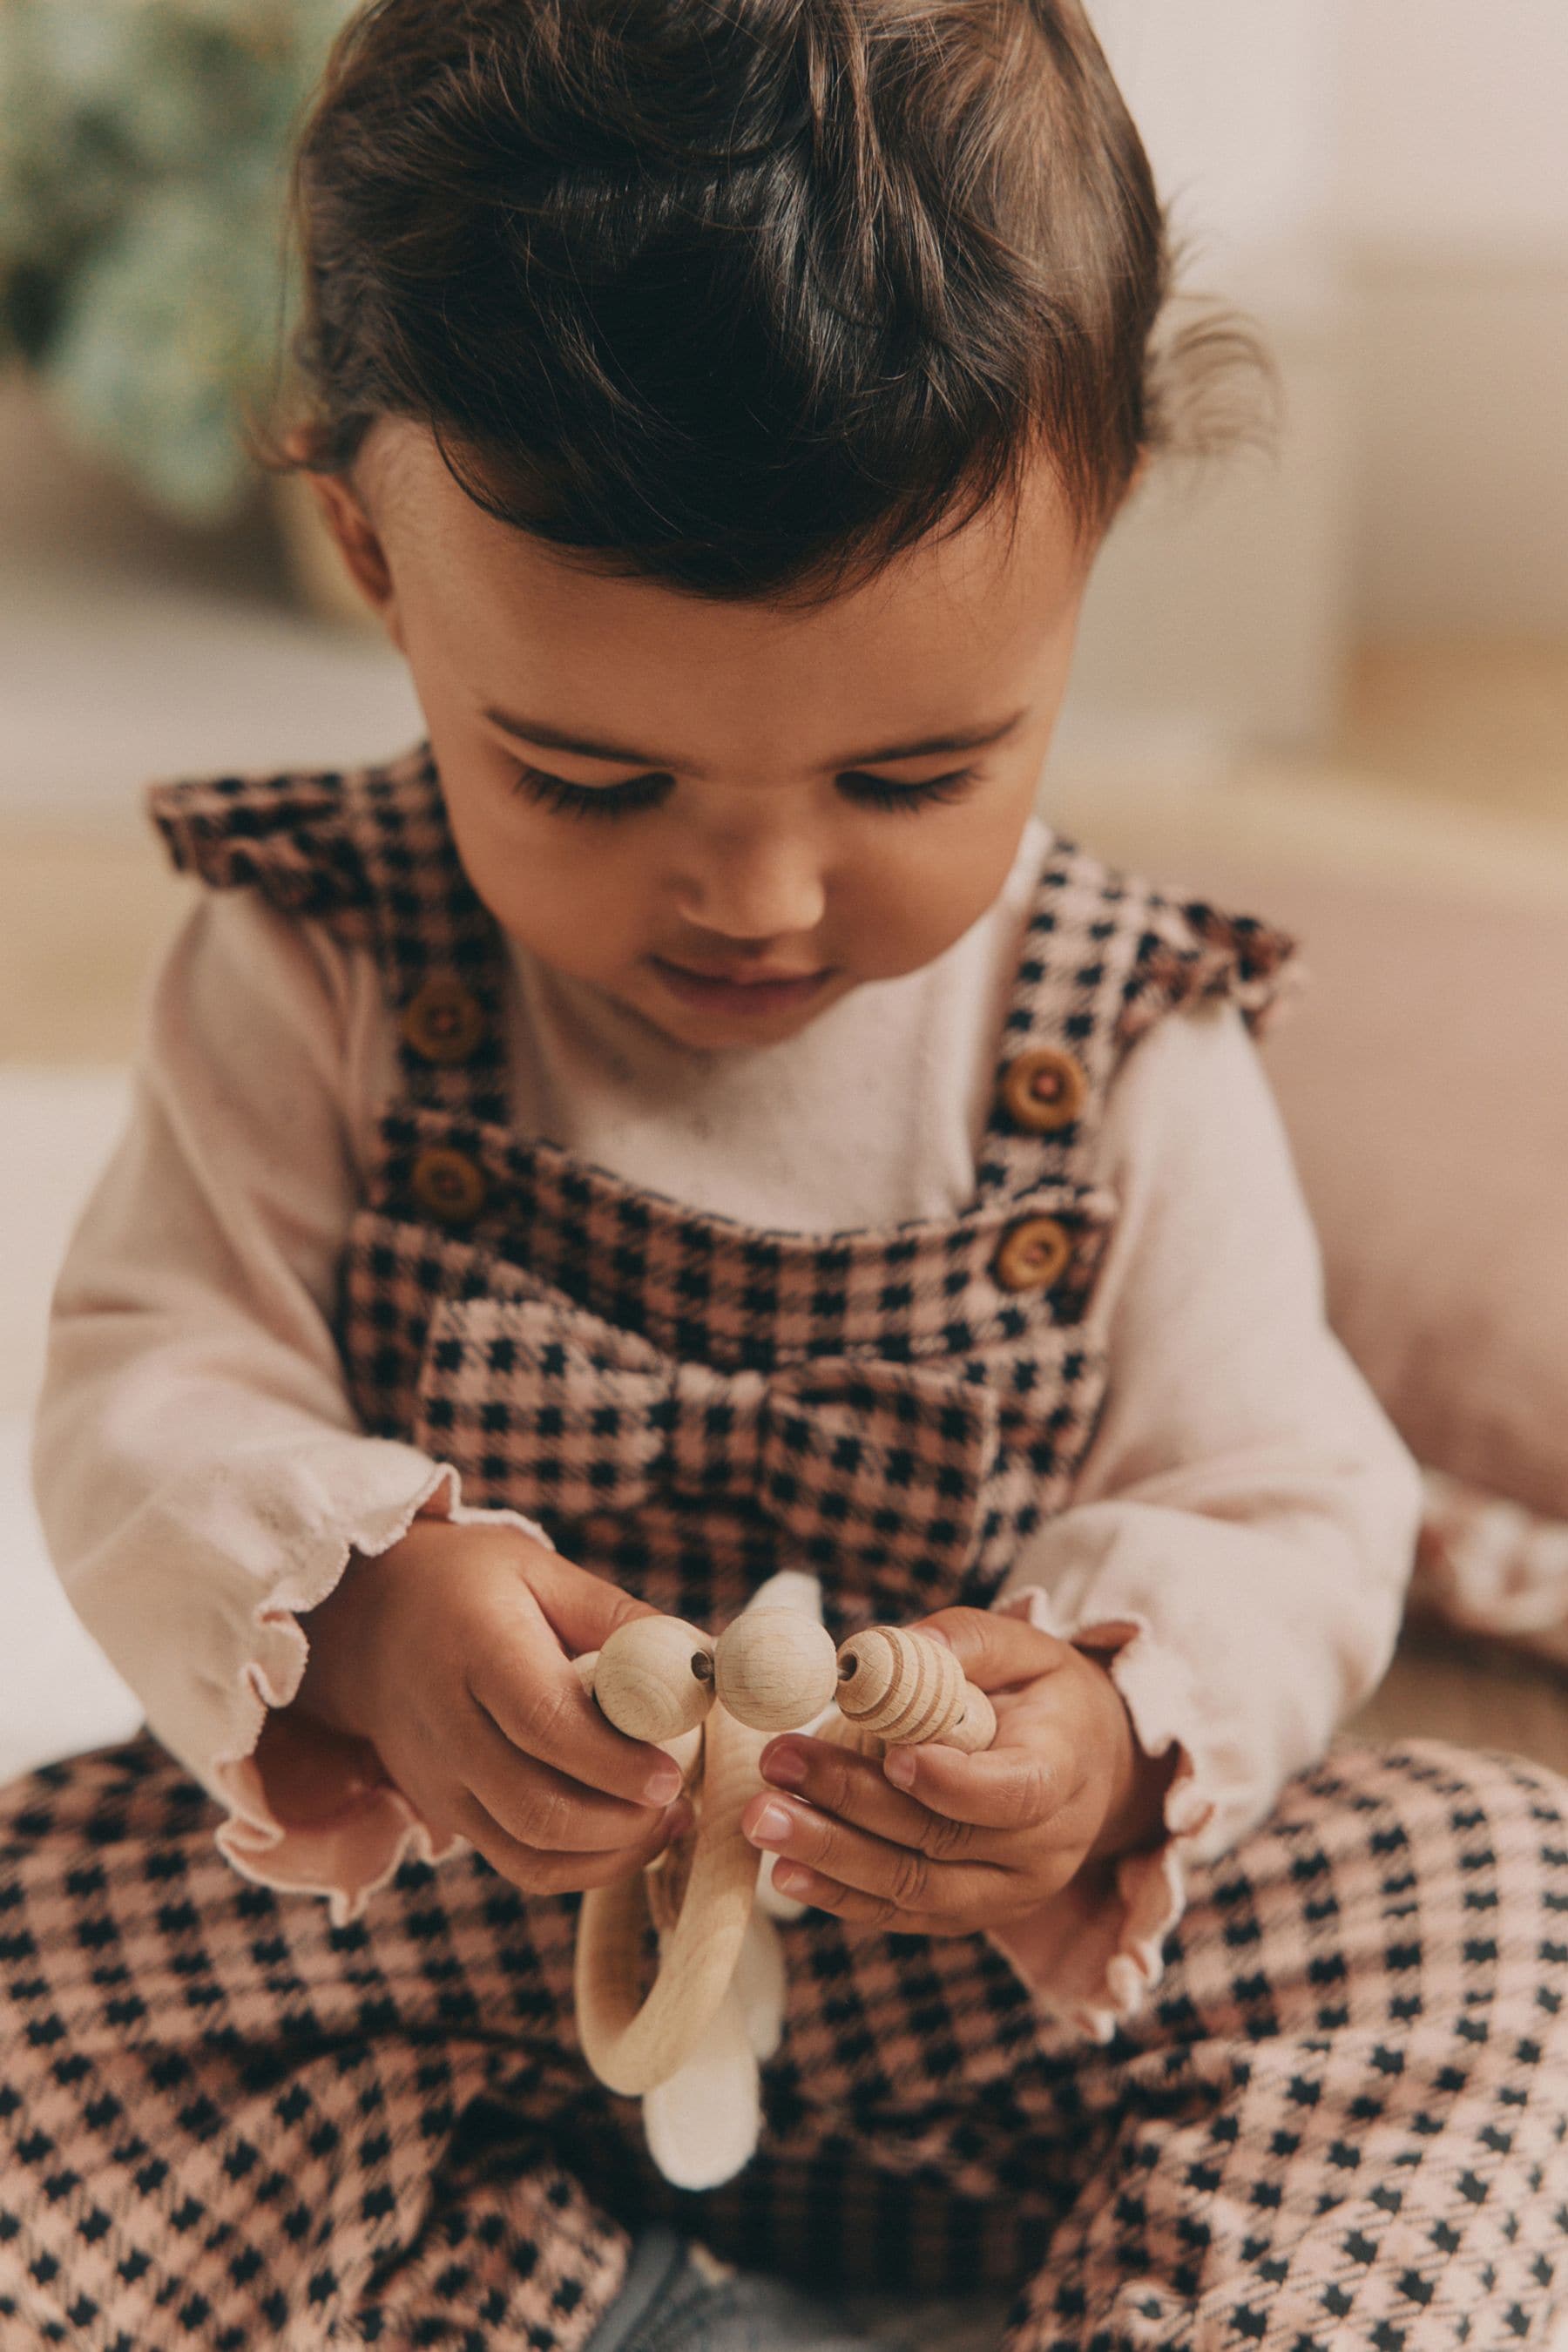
{"points": [[720, 813]]}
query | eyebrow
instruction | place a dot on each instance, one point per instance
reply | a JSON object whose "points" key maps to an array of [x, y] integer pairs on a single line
{"points": [[556, 738]]}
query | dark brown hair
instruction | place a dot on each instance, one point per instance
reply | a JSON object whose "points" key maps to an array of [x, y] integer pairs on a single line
{"points": [[745, 296]]}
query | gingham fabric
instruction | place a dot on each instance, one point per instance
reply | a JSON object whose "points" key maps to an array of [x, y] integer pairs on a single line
{"points": [[1340, 2122], [1340, 2126]]}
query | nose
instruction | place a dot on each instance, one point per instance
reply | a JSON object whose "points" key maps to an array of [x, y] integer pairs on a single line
{"points": [[755, 890]]}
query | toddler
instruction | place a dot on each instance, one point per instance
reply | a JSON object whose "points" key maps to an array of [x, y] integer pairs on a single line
{"points": [[686, 1118]]}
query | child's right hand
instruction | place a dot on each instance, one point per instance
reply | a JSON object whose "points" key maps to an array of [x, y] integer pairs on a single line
{"points": [[451, 1654]]}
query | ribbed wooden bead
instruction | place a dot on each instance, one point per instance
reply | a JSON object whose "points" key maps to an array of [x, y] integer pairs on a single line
{"points": [[654, 1677], [902, 1686], [775, 1668]]}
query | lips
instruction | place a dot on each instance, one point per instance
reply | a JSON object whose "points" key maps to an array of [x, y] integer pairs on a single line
{"points": [[740, 975], [740, 988]]}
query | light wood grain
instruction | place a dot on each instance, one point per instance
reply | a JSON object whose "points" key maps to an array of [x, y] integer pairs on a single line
{"points": [[634, 2043]]}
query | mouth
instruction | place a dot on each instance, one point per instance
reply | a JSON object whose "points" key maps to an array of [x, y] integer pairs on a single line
{"points": [[739, 988]]}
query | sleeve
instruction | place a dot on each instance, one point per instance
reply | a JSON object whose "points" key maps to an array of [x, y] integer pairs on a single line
{"points": [[1242, 1532], [200, 1474]]}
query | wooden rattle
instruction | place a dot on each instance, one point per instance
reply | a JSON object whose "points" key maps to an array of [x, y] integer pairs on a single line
{"points": [[908, 1688], [715, 1705]]}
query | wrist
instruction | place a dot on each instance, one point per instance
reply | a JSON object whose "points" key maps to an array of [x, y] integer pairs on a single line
{"points": [[334, 1688], [1134, 1820]]}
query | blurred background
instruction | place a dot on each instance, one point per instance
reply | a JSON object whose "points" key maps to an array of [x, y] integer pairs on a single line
{"points": [[1341, 670]]}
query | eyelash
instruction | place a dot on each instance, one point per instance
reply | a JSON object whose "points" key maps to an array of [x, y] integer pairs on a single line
{"points": [[645, 792]]}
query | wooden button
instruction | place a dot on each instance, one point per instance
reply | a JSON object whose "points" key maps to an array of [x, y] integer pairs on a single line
{"points": [[1044, 1090], [449, 1184], [1032, 1254], [443, 1021]]}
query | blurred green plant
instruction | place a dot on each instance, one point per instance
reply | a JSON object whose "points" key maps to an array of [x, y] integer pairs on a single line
{"points": [[143, 152]]}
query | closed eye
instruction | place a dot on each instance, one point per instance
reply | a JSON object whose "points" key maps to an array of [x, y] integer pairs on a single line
{"points": [[882, 792], [591, 800], [606, 800]]}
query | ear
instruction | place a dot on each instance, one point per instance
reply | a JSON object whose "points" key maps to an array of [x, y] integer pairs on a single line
{"points": [[360, 546]]}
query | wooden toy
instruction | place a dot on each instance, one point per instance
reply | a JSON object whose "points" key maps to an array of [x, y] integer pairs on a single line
{"points": [[775, 1667], [715, 1705], [907, 1688], [654, 1678]]}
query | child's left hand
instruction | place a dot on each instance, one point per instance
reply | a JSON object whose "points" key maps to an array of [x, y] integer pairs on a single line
{"points": [[975, 1840]]}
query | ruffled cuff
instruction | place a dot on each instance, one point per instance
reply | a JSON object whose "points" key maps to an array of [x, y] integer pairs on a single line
{"points": [[1095, 1952], [356, 1829]]}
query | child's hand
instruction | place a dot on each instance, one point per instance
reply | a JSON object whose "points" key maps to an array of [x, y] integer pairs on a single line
{"points": [[975, 1840], [451, 1654]]}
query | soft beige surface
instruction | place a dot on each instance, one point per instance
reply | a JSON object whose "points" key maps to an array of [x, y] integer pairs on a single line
{"points": [[1440, 1687], [84, 918], [1425, 1080]]}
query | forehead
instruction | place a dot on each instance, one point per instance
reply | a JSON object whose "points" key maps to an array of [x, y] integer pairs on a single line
{"points": [[943, 629]]}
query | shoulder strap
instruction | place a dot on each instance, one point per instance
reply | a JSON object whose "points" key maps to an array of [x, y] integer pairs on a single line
{"points": [[284, 836], [368, 849], [1105, 957]]}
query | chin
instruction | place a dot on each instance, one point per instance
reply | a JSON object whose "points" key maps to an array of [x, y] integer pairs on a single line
{"points": [[714, 1030]]}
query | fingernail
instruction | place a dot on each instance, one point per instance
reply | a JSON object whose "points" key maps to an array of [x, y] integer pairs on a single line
{"points": [[662, 1785], [771, 1827], [899, 1767], [786, 1768]]}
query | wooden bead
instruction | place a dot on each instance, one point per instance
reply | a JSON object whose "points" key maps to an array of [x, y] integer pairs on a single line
{"points": [[773, 1669], [976, 1727], [907, 1687], [654, 1677]]}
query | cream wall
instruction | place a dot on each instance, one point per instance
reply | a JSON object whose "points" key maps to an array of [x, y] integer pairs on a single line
{"points": [[1220, 612], [1385, 183], [1451, 202], [1454, 121]]}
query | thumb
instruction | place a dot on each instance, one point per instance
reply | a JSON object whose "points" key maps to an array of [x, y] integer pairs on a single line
{"points": [[582, 1610], [995, 1650]]}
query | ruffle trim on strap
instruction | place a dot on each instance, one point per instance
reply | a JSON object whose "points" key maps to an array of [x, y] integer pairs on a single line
{"points": [[1192, 952], [1094, 1953], [350, 1849], [285, 836]]}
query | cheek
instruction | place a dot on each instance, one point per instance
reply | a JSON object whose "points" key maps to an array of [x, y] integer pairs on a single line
{"points": [[935, 874], [568, 891]]}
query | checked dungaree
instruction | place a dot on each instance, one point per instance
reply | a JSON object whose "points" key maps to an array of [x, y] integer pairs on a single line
{"points": [[1341, 2121]]}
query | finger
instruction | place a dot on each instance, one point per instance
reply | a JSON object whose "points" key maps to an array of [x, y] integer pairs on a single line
{"points": [[857, 1910], [560, 1873], [1004, 1789], [901, 1878], [994, 1649], [854, 1788], [537, 1805], [582, 1610], [536, 1700]]}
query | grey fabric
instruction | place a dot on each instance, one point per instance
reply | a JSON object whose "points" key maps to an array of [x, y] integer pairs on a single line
{"points": [[678, 2298]]}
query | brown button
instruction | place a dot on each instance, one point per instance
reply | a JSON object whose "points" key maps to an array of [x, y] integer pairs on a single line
{"points": [[1032, 1255], [443, 1021], [1045, 1089], [449, 1184]]}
